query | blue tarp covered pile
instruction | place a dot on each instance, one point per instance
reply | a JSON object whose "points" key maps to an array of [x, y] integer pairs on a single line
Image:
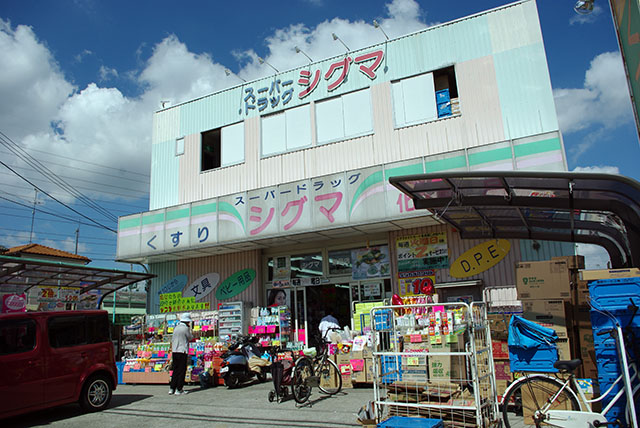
{"points": [[527, 334]]}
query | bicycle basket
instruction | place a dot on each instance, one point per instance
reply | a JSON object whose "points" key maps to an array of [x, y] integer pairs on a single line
{"points": [[531, 346]]}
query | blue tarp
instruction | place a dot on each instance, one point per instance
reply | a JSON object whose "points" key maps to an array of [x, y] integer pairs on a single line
{"points": [[527, 334]]}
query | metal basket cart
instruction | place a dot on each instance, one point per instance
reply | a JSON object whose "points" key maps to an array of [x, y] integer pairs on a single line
{"points": [[434, 361]]}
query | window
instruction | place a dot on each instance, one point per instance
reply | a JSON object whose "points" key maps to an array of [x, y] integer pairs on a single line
{"points": [[98, 329], [286, 131], [17, 336], [67, 331], [415, 101], [344, 117], [222, 146], [179, 146], [307, 265], [340, 262]]}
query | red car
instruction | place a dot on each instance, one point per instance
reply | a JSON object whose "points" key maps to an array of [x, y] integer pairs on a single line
{"points": [[53, 358]]}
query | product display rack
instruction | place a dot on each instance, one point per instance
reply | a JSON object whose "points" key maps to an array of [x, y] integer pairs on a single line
{"points": [[232, 319], [434, 361]]}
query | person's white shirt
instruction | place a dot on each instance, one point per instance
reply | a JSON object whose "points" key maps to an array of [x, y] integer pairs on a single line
{"points": [[327, 323], [181, 337]]}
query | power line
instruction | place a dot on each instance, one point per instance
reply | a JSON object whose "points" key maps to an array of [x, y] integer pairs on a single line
{"points": [[72, 235], [50, 175], [94, 171], [58, 201], [101, 191], [87, 162]]}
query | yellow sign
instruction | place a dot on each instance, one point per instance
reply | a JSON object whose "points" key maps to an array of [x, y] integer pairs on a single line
{"points": [[480, 258]]}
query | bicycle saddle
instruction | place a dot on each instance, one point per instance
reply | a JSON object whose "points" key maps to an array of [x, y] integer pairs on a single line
{"points": [[567, 365]]}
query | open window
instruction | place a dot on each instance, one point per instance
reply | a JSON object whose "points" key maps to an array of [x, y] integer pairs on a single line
{"points": [[425, 97], [222, 147]]}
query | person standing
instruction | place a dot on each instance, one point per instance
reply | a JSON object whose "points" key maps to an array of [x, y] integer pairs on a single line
{"points": [[180, 352]]}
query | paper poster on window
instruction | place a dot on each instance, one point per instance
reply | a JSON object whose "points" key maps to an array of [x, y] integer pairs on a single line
{"points": [[281, 268], [425, 251], [372, 262], [415, 283]]}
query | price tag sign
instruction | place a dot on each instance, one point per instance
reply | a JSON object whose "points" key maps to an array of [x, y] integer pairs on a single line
{"points": [[415, 338], [413, 361]]}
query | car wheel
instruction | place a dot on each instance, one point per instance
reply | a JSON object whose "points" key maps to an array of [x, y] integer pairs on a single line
{"points": [[96, 393]]}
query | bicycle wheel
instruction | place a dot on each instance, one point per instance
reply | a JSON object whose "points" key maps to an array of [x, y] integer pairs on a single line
{"points": [[330, 379], [532, 394], [301, 372]]}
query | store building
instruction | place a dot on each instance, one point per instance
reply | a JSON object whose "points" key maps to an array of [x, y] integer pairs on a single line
{"points": [[283, 182]]}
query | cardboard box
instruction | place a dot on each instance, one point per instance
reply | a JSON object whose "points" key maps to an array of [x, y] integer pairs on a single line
{"points": [[543, 280], [501, 387], [573, 262], [593, 275], [446, 367], [548, 313], [500, 349], [503, 370], [368, 368], [499, 326], [529, 404]]}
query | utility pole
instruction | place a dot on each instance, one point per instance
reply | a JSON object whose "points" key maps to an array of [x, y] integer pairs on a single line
{"points": [[33, 215], [77, 235]]}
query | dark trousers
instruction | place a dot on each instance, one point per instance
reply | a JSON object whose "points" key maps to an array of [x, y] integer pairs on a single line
{"points": [[179, 371]]}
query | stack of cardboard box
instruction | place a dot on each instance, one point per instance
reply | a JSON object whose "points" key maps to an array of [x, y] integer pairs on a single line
{"points": [[499, 325]]}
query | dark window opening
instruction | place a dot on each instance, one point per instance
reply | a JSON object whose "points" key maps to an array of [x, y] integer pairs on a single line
{"points": [[17, 336], [445, 78], [211, 149]]}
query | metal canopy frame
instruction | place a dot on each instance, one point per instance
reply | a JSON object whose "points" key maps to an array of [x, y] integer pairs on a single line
{"points": [[29, 273], [591, 208]]}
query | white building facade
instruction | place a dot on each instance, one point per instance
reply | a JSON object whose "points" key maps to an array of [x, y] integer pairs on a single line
{"points": [[286, 177]]}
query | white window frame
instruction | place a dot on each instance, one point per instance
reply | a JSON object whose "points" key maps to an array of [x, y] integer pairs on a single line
{"points": [[179, 146], [291, 126], [400, 92], [332, 123]]}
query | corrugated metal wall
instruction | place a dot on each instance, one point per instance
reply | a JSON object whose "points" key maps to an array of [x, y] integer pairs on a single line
{"points": [[165, 271], [501, 274], [225, 265], [492, 58], [533, 251]]}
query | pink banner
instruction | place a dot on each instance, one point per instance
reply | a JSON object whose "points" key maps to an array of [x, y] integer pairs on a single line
{"points": [[14, 303]]}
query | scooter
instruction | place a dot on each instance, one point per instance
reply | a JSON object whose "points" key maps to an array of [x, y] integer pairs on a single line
{"points": [[236, 368]]}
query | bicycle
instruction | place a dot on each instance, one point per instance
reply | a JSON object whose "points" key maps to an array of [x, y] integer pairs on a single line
{"points": [[318, 371], [555, 402]]}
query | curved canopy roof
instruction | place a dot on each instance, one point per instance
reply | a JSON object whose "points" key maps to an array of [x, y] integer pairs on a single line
{"points": [[601, 209]]}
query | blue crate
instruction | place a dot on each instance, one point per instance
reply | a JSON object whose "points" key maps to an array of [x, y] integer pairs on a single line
{"points": [[533, 359], [120, 367], [382, 319], [444, 109], [410, 422], [391, 369], [614, 294], [442, 96]]}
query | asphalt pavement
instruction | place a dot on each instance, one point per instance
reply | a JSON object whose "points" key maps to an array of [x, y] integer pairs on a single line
{"points": [[141, 406]]}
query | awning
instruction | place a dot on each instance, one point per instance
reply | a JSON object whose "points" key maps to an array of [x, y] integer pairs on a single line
{"points": [[28, 273], [601, 209]]}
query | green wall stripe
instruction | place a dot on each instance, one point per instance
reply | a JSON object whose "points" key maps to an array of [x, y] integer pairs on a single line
{"points": [[128, 223], [537, 147], [374, 178], [153, 218], [404, 170], [227, 207], [490, 156], [446, 164], [174, 215], [204, 209]]}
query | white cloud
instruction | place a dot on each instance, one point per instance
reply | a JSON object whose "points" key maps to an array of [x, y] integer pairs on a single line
{"points": [[595, 256], [603, 102], [107, 73], [586, 19], [605, 169], [99, 124]]}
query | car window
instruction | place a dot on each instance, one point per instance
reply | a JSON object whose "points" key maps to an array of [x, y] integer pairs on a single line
{"points": [[98, 328], [67, 331], [17, 336]]}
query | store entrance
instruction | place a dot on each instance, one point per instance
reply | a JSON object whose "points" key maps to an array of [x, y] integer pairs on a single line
{"points": [[327, 299]]}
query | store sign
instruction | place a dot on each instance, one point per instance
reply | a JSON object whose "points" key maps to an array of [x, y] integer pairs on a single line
{"points": [[425, 251], [14, 303], [371, 262], [372, 289], [278, 92], [176, 283], [174, 302], [480, 258], [413, 283], [202, 286], [235, 284], [298, 282]]}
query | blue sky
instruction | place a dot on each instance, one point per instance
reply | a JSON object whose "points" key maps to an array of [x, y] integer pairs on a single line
{"points": [[80, 80]]}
